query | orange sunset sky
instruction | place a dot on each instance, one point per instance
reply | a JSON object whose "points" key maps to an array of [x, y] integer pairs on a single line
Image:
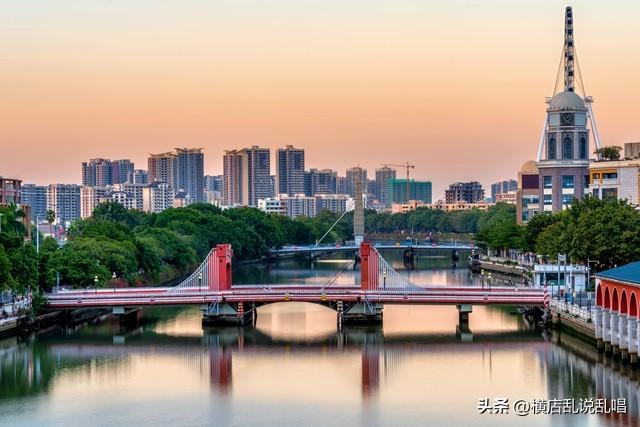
{"points": [[456, 87]]}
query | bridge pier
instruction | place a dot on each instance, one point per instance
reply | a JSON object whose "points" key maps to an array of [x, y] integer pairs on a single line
{"points": [[409, 259], [128, 316], [615, 338], [463, 316], [220, 314], [632, 337], [360, 313]]}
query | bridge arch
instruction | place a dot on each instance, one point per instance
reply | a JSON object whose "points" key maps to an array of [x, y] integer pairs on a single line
{"points": [[607, 298], [615, 300], [633, 305], [624, 306]]}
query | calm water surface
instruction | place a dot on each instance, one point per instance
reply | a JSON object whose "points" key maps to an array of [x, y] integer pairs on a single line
{"points": [[295, 369]]}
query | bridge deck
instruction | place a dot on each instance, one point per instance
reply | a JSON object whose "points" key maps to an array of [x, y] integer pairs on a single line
{"points": [[279, 293], [339, 248]]}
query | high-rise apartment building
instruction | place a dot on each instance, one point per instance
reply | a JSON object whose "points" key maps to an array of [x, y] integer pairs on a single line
{"points": [[189, 173], [354, 174], [233, 161], [290, 170], [341, 185], [418, 191], [138, 176], [134, 193], [257, 170], [36, 197], [10, 191], [157, 197], [97, 173], [469, 192], [503, 187], [320, 181], [213, 185], [161, 168], [247, 176], [121, 170], [384, 175], [102, 172], [64, 201], [90, 197]]}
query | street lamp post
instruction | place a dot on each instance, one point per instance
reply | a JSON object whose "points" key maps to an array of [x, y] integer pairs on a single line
{"points": [[95, 282], [37, 235], [200, 282]]}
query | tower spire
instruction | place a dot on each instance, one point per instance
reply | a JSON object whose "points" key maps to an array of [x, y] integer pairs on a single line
{"points": [[569, 54]]}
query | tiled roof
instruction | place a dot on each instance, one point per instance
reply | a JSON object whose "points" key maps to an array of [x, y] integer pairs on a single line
{"points": [[629, 273]]}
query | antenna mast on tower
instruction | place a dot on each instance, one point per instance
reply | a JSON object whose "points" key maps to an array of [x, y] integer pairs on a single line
{"points": [[569, 54]]}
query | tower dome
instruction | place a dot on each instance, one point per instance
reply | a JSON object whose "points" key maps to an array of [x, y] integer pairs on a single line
{"points": [[567, 100]]}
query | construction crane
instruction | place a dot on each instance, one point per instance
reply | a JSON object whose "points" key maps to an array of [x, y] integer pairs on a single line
{"points": [[407, 166]]}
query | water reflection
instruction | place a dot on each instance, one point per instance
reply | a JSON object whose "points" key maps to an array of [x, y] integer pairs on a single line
{"points": [[295, 368], [391, 372]]}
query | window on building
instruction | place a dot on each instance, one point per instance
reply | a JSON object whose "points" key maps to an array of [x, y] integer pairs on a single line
{"points": [[609, 193], [583, 148], [610, 175], [547, 181], [568, 181], [567, 148], [551, 149], [586, 181], [548, 200], [596, 176], [567, 199]]}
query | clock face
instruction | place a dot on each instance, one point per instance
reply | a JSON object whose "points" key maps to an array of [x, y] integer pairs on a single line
{"points": [[567, 119]]}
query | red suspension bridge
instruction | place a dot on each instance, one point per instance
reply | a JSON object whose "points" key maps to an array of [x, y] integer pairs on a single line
{"points": [[211, 286]]}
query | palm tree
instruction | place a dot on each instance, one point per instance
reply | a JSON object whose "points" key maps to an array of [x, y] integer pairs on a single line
{"points": [[50, 217]]}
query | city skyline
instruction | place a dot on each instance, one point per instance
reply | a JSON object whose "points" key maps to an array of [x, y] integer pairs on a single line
{"points": [[374, 79]]}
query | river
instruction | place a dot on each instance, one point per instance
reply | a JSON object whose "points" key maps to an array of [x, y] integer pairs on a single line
{"points": [[295, 369]]}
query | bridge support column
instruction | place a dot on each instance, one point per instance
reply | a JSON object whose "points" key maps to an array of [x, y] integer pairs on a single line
{"points": [[361, 313], [224, 313], [128, 316], [597, 324], [623, 340], [606, 329], [615, 339], [632, 338], [463, 315]]}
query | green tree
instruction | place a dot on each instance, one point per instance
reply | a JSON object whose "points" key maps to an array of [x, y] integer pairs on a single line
{"points": [[498, 228], [611, 152], [24, 268], [50, 217], [115, 212], [534, 227], [605, 231], [6, 278]]}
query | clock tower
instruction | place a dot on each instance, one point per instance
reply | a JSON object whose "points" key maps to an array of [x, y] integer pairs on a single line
{"points": [[563, 155]]}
